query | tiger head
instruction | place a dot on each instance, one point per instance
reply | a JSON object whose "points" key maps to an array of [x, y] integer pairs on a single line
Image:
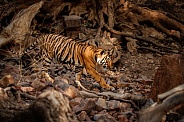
{"points": [[103, 58]]}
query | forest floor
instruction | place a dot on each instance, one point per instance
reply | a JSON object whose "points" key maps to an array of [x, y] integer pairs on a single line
{"points": [[143, 41], [133, 74]]}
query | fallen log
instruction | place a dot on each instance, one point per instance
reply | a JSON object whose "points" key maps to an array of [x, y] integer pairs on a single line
{"points": [[155, 113], [50, 106], [170, 92]]}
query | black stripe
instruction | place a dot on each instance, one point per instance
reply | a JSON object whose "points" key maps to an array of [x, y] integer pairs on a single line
{"points": [[60, 47], [63, 51]]}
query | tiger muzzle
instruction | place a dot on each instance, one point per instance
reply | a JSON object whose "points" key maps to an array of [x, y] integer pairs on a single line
{"points": [[106, 62]]}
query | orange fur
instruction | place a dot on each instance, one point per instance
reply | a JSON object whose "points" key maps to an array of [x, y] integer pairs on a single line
{"points": [[67, 50]]}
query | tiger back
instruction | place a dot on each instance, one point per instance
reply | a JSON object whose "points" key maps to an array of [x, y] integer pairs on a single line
{"points": [[65, 49]]}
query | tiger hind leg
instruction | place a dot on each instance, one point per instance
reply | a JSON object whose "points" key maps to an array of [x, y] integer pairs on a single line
{"points": [[46, 63], [40, 65], [78, 73]]}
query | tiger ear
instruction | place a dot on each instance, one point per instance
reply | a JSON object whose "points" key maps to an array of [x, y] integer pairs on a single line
{"points": [[99, 50]]}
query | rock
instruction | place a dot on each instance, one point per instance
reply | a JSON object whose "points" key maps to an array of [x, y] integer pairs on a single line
{"points": [[68, 89], [26, 89], [92, 113], [124, 106], [104, 118], [86, 105], [114, 113], [78, 108], [144, 80], [82, 116], [61, 84], [113, 104], [75, 101], [37, 84], [122, 84], [11, 70], [122, 118], [72, 91], [58, 78], [100, 104], [6, 81]]}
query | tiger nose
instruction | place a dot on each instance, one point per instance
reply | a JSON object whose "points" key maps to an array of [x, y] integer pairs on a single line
{"points": [[104, 66]]}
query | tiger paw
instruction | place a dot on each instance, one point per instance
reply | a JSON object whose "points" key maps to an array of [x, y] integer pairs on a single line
{"points": [[110, 88]]}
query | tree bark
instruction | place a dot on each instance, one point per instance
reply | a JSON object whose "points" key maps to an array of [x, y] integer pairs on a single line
{"points": [[169, 75], [17, 30], [50, 106], [155, 114]]}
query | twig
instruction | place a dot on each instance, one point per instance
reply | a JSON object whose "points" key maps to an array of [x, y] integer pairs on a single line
{"points": [[92, 92]]}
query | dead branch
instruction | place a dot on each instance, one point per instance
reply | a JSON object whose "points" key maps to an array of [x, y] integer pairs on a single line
{"points": [[111, 95], [155, 113], [17, 30], [170, 92], [119, 96], [87, 94], [115, 96]]}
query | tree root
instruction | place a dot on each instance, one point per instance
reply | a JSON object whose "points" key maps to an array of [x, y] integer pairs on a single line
{"points": [[145, 39], [159, 20]]}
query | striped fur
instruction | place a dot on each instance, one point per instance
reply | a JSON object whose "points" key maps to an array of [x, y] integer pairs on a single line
{"points": [[65, 49]]}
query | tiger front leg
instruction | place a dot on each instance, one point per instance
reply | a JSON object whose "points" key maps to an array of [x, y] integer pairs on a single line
{"points": [[94, 74]]}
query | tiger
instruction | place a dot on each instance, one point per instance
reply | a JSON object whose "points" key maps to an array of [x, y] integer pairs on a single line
{"points": [[65, 49]]}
